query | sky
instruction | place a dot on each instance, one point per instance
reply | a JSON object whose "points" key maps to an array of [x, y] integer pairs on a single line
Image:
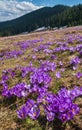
{"points": [[11, 9]]}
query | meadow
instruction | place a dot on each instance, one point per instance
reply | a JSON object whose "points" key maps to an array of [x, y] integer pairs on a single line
{"points": [[41, 80]]}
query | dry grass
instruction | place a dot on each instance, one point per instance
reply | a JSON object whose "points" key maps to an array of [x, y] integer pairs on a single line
{"points": [[8, 117]]}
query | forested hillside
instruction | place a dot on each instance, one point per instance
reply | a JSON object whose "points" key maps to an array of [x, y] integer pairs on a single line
{"points": [[56, 16]]}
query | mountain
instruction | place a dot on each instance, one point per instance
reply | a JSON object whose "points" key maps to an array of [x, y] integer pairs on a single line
{"points": [[56, 16]]}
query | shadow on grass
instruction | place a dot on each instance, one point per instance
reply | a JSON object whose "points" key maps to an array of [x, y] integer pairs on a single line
{"points": [[53, 125], [42, 122], [57, 125], [9, 102], [75, 126], [26, 124]]}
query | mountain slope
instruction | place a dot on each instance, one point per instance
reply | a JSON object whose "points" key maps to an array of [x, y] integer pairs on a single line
{"points": [[58, 15]]}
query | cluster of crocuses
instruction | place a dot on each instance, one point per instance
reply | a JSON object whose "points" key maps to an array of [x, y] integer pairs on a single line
{"points": [[38, 77], [74, 62], [60, 47], [60, 105], [28, 43], [23, 45], [11, 54]]}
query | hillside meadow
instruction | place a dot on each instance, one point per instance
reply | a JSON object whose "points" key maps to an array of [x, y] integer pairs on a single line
{"points": [[41, 80]]}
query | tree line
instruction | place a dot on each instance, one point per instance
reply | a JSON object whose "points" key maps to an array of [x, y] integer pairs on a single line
{"points": [[57, 16]]}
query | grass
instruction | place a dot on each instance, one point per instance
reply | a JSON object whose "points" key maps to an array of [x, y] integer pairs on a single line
{"points": [[8, 117]]}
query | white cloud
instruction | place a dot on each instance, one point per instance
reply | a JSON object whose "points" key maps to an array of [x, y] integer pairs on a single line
{"points": [[10, 9]]}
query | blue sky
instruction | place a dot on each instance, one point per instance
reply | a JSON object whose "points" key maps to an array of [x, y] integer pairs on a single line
{"points": [[11, 9], [54, 2]]}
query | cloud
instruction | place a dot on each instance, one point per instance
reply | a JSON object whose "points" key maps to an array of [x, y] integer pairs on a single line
{"points": [[10, 9]]}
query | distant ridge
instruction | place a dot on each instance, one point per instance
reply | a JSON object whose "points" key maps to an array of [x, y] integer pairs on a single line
{"points": [[57, 16]]}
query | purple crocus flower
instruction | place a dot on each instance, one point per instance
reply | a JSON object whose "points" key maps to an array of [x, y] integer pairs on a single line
{"points": [[58, 75], [22, 113], [6, 93], [75, 109], [63, 93], [74, 62], [75, 93], [60, 63], [50, 115], [79, 75], [70, 115], [63, 117], [34, 112]]}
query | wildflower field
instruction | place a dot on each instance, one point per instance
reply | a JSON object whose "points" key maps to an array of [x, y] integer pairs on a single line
{"points": [[41, 80]]}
